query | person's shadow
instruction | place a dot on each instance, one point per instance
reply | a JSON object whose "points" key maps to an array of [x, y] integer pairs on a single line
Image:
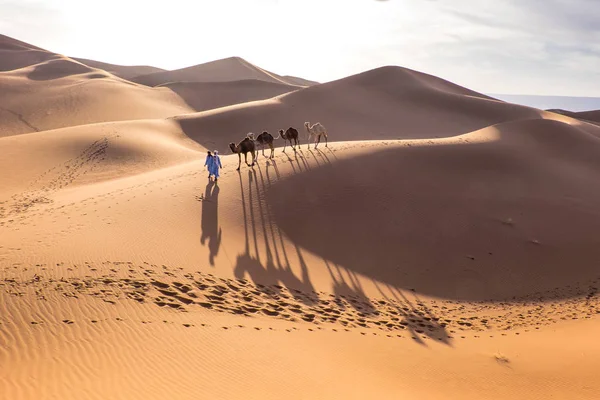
{"points": [[210, 221]]}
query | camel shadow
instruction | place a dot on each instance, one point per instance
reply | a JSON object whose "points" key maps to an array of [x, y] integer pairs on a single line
{"points": [[270, 269], [419, 320], [211, 231], [350, 290]]}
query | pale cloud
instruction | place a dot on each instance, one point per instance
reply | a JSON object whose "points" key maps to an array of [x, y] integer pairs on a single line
{"points": [[510, 46]]}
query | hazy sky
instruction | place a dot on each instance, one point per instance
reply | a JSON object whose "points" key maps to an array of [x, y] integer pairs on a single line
{"points": [[493, 46]]}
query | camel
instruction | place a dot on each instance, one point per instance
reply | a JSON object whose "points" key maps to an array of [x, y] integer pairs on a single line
{"points": [[265, 138], [245, 146], [290, 134], [315, 131]]}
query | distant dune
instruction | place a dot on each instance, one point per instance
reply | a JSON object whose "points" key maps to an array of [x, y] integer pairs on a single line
{"points": [[15, 54], [122, 71], [588, 116], [42, 90], [228, 69], [294, 80], [203, 96], [552, 102], [593, 115]]}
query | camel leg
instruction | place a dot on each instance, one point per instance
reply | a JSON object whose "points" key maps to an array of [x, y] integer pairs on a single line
{"points": [[284, 144], [253, 158], [318, 141], [325, 140], [239, 161], [272, 149], [262, 147]]}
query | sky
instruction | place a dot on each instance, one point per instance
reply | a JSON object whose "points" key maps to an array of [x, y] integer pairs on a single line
{"points": [[538, 47]]}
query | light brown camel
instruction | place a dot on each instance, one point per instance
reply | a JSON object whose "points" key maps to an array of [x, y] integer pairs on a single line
{"points": [[290, 134], [315, 131], [245, 146]]}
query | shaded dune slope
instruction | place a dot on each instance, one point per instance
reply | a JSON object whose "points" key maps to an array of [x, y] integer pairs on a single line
{"points": [[122, 71], [593, 115], [203, 96], [511, 211], [15, 54]]}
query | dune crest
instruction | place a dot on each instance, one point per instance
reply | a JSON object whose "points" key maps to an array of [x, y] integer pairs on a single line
{"points": [[227, 69], [381, 104], [122, 71]]}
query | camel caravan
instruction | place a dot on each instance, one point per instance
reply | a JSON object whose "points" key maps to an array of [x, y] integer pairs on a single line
{"points": [[249, 143]]}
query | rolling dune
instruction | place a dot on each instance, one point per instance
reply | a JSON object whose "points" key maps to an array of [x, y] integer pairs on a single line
{"points": [[112, 282], [15, 54], [593, 116], [225, 70], [443, 245], [43, 90], [508, 212], [587, 116], [61, 93], [381, 104]]}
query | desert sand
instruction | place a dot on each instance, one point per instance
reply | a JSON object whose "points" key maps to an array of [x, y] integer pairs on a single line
{"points": [[442, 246], [225, 70]]}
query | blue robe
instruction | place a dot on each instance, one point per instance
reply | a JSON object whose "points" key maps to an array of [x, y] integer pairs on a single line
{"points": [[214, 166], [210, 161]]}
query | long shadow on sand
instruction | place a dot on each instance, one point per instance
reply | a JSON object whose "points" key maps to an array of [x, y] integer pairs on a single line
{"points": [[210, 221], [418, 319], [488, 221], [274, 267], [267, 261]]}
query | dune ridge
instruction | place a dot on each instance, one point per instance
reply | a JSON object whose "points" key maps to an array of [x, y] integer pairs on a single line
{"points": [[61, 92], [224, 70], [381, 104], [122, 71]]}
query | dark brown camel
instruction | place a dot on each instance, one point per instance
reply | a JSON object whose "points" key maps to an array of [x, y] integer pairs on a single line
{"points": [[266, 138], [290, 134], [245, 146]]}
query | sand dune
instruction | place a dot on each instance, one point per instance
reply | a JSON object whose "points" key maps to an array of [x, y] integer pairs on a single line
{"points": [[15, 54], [61, 92], [294, 80], [587, 116], [122, 71], [385, 103], [510, 211], [99, 275], [203, 96], [593, 116], [227, 69], [456, 263], [91, 154]]}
